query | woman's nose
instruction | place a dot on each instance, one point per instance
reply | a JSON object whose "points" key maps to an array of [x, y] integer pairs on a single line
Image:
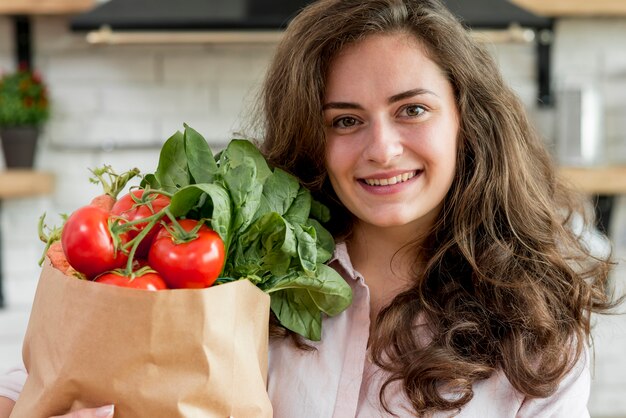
{"points": [[384, 144]]}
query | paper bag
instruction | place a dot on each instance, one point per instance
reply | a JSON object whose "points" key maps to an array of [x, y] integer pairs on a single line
{"points": [[173, 353]]}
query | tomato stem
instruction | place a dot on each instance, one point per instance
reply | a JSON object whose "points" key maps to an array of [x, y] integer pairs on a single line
{"points": [[53, 235], [147, 197], [137, 240], [134, 243], [128, 272], [124, 226], [114, 183], [179, 234]]}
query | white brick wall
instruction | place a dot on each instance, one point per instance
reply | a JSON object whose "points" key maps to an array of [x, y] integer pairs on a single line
{"points": [[114, 96], [6, 61], [591, 51]]}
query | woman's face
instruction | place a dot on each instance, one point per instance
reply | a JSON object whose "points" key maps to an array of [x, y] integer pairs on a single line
{"points": [[391, 128]]}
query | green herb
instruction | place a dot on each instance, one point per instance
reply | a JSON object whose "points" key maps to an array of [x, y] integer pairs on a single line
{"points": [[270, 225]]}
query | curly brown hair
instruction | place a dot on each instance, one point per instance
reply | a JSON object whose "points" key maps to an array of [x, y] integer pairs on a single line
{"points": [[508, 285]]}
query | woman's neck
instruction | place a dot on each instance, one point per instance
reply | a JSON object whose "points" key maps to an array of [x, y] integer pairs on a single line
{"points": [[386, 257]]}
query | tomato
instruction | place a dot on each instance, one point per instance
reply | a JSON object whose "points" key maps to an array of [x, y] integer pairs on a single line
{"points": [[127, 208], [194, 264], [88, 243], [146, 281]]}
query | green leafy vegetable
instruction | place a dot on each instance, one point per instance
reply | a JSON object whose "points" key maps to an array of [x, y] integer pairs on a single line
{"points": [[202, 166], [172, 172], [271, 227]]}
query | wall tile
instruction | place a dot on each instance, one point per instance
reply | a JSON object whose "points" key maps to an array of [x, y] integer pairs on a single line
{"points": [[156, 100], [74, 98], [6, 35], [181, 68], [101, 66]]}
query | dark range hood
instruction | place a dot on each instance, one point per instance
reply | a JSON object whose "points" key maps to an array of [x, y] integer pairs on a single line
{"points": [[189, 15], [190, 21], [194, 15]]}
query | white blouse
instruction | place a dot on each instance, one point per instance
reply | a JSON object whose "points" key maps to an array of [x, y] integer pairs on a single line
{"points": [[337, 379]]}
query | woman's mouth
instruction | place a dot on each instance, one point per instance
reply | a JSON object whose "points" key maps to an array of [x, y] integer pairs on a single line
{"points": [[400, 178]]}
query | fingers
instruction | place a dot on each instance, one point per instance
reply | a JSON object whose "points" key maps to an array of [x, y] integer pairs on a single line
{"points": [[102, 412]]}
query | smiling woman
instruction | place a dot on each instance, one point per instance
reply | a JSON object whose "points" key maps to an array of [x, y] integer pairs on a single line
{"points": [[472, 294]]}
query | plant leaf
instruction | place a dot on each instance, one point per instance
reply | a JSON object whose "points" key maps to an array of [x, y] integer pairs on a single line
{"points": [[336, 295], [188, 197], [325, 243], [298, 212], [319, 211], [150, 180], [172, 172], [296, 311], [307, 248], [280, 190], [268, 245], [236, 153], [245, 191], [200, 161], [327, 289]]}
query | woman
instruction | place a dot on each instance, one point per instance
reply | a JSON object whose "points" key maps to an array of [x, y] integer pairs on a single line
{"points": [[472, 295], [477, 293]]}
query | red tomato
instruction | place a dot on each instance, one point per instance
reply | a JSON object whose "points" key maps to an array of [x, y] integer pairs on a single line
{"points": [[193, 265], [88, 244], [147, 281], [126, 208]]}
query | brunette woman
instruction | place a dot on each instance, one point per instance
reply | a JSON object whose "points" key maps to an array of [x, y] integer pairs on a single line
{"points": [[472, 293]]}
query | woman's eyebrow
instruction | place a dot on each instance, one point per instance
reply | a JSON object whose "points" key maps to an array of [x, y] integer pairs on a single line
{"points": [[341, 105], [395, 98], [409, 93]]}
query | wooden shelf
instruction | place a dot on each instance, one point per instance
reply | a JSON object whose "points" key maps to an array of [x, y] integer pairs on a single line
{"points": [[609, 180], [558, 8], [16, 183], [44, 7]]}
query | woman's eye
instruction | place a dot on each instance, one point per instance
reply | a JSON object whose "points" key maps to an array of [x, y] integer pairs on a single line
{"points": [[414, 110], [345, 122]]}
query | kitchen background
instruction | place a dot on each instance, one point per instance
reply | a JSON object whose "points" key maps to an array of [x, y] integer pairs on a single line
{"points": [[117, 104]]}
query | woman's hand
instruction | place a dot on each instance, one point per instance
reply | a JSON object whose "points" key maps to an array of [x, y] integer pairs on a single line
{"points": [[6, 406], [102, 412]]}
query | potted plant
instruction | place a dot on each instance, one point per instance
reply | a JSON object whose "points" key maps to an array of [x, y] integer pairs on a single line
{"points": [[24, 107]]}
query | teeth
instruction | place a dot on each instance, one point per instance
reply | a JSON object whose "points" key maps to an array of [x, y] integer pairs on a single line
{"points": [[390, 181]]}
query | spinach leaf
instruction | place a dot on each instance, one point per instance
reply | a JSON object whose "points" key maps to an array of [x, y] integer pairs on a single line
{"points": [[325, 243], [202, 165], [280, 190], [333, 297], [188, 197], [296, 311], [319, 211], [268, 245], [172, 172], [245, 191], [329, 291], [236, 153], [298, 212], [150, 180], [298, 301], [307, 247]]}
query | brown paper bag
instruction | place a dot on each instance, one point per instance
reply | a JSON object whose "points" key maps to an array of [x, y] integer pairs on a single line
{"points": [[173, 353]]}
